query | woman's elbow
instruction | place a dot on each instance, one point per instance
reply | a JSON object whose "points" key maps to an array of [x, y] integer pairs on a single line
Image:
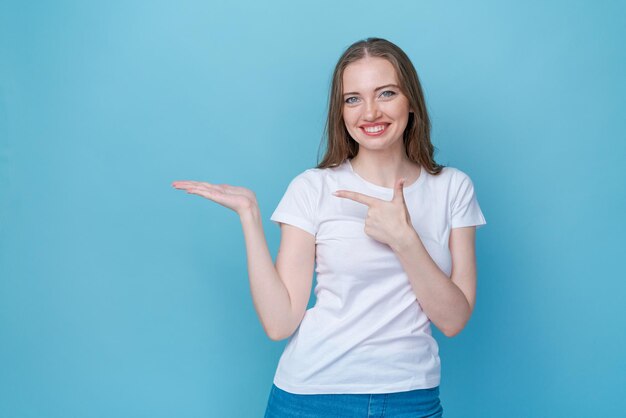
{"points": [[452, 332]]}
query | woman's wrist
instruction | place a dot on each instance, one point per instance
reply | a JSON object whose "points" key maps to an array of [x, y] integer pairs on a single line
{"points": [[250, 213], [407, 239]]}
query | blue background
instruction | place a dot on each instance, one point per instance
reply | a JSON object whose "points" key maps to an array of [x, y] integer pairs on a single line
{"points": [[123, 297]]}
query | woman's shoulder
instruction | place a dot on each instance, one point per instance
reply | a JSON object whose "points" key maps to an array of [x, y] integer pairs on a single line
{"points": [[450, 180], [449, 172], [311, 174], [311, 178]]}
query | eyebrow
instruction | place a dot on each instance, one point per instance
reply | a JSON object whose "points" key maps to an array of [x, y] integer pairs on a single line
{"points": [[376, 89]]}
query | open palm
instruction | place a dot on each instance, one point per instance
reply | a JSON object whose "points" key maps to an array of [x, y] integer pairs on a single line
{"points": [[233, 197]]}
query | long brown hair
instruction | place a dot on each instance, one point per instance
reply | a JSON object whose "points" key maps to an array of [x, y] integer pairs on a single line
{"points": [[416, 137]]}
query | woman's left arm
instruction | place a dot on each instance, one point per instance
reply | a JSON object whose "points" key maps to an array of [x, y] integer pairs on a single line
{"points": [[448, 302]]}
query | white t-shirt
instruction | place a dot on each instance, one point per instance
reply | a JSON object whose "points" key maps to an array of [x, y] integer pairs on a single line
{"points": [[367, 332]]}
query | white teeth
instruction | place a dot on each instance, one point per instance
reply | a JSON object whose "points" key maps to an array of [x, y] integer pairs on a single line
{"points": [[375, 129]]}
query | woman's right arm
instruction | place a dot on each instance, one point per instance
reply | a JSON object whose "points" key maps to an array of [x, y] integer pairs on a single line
{"points": [[280, 292]]}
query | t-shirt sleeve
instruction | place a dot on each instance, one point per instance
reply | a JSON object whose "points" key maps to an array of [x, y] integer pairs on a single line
{"points": [[298, 205], [465, 210]]}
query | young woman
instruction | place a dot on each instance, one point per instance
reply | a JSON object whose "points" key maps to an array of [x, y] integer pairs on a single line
{"points": [[391, 235]]}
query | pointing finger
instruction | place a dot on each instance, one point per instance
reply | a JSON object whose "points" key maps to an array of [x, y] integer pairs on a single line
{"points": [[358, 197]]}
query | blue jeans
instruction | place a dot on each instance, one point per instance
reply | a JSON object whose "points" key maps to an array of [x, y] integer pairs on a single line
{"points": [[418, 403]]}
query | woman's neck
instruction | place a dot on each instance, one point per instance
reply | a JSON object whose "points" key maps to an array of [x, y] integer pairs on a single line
{"points": [[385, 169]]}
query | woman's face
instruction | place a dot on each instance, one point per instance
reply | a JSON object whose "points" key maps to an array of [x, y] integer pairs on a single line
{"points": [[372, 100]]}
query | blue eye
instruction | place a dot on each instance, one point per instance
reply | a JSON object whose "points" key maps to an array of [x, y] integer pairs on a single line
{"points": [[393, 93]]}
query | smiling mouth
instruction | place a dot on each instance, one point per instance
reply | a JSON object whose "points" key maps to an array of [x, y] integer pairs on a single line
{"points": [[376, 130]]}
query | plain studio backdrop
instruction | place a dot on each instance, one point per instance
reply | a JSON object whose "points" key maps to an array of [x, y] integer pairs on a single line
{"points": [[121, 296]]}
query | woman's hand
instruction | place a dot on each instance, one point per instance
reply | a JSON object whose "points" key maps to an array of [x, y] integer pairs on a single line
{"points": [[387, 221], [236, 198]]}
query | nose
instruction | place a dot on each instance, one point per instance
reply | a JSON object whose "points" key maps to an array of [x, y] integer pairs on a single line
{"points": [[372, 112]]}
